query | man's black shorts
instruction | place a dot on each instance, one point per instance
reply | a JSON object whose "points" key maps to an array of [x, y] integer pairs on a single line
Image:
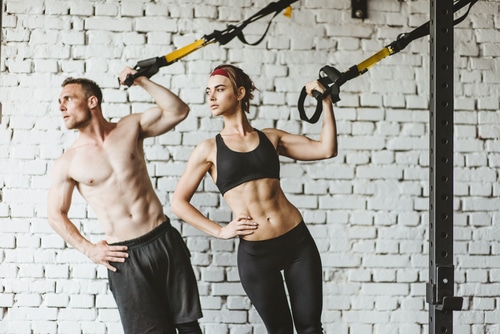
{"points": [[155, 288]]}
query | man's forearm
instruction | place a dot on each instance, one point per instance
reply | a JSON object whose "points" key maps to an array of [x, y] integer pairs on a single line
{"points": [[70, 234]]}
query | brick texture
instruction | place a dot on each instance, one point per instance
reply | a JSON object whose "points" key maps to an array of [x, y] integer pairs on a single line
{"points": [[367, 208]]}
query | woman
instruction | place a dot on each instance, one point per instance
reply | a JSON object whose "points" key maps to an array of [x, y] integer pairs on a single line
{"points": [[244, 164]]}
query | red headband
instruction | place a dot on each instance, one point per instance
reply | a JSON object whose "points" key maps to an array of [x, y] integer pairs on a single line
{"points": [[220, 71]]}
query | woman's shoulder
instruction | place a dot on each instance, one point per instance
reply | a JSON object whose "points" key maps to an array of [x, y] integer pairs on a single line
{"points": [[208, 142], [205, 147], [203, 152], [273, 134]]}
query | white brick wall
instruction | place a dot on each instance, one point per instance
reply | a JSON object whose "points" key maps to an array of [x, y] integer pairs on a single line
{"points": [[367, 208]]}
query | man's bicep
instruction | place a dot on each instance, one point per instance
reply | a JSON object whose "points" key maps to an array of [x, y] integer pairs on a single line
{"points": [[154, 122]]}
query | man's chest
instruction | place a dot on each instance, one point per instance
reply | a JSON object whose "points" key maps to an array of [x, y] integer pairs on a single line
{"points": [[94, 165]]}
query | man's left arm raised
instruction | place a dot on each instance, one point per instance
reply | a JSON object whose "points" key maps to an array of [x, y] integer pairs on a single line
{"points": [[169, 111]]}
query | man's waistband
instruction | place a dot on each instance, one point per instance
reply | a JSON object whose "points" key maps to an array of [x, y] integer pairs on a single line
{"points": [[148, 237]]}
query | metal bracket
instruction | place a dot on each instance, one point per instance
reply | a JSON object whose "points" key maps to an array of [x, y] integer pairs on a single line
{"points": [[359, 9], [440, 293]]}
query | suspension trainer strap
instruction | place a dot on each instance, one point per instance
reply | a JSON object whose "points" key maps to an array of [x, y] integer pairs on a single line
{"points": [[333, 79], [275, 7], [149, 67]]}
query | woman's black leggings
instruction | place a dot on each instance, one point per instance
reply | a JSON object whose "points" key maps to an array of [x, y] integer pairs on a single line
{"points": [[260, 264]]}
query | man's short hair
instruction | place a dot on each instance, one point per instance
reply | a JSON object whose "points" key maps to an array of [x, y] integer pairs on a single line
{"points": [[89, 87]]}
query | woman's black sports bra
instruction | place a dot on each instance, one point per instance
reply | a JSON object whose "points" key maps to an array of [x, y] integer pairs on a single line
{"points": [[235, 168]]}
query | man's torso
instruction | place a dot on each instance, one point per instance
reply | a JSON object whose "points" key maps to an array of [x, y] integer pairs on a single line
{"points": [[112, 176]]}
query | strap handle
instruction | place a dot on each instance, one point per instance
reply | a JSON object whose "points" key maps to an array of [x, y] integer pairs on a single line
{"points": [[145, 68], [332, 79]]}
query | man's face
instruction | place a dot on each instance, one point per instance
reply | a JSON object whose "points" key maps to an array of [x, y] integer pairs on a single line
{"points": [[74, 107]]}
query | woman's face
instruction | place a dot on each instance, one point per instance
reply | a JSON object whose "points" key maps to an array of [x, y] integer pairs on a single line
{"points": [[221, 97]]}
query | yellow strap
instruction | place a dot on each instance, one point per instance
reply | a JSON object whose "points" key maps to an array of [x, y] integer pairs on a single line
{"points": [[185, 50], [366, 64]]}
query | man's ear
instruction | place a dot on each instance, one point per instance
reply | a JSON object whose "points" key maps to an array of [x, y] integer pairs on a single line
{"points": [[92, 102]]}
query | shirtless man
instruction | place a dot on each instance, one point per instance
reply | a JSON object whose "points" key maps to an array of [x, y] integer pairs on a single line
{"points": [[149, 269]]}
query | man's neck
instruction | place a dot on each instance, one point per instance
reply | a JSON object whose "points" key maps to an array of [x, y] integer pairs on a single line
{"points": [[97, 130]]}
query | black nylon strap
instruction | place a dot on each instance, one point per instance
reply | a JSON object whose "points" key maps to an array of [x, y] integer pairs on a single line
{"points": [[242, 38]]}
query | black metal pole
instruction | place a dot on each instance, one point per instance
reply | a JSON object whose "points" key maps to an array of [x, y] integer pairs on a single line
{"points": [[440, 289]]}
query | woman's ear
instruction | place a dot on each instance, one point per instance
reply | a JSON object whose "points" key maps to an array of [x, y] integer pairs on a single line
{"points": [[241, 93]]}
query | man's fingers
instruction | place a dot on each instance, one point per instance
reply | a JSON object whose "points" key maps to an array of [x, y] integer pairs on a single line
{"points": [[116, 258], [118, 248], [110, 267], [118, 253]]}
